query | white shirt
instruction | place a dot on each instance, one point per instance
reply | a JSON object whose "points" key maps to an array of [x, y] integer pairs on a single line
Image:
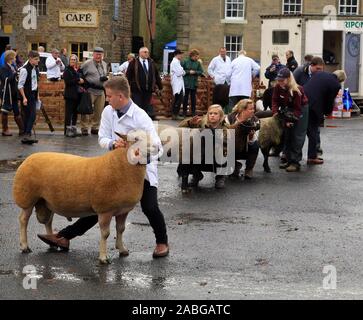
{"points": [[134, 119], [177, 72], [123, 68], [146, 63], [220, 69], [53, 69], [22, 78], [242, 70]]}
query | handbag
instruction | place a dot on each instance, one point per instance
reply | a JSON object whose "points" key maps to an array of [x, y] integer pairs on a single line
{"points": [[85, 105]]}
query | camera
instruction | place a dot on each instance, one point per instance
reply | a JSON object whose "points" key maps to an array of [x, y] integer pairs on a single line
{"points": [[103, 78]]}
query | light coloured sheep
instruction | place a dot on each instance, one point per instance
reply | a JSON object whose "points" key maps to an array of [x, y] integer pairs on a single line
{"points": [[73, 186]]}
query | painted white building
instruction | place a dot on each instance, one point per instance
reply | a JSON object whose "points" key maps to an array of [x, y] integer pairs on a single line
{"points": [[336, 39]]}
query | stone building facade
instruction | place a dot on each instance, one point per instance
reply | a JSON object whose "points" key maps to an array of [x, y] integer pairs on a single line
{"points": [[78, 25], [210, 24]]}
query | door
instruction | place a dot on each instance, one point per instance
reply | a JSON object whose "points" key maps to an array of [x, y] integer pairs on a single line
{"points": [[3, 42], [352, 61]]}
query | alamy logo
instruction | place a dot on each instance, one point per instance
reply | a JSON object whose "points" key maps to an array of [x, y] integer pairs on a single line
{"points": [[330, 21], [30, 280], [30, 20], [330, 281]]}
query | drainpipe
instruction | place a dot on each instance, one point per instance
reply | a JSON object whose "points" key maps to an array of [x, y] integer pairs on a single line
{"points": [[303, 38]]}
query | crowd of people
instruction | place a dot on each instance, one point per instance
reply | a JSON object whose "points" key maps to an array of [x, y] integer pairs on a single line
{"points": [[306, 91], [301, 96]]}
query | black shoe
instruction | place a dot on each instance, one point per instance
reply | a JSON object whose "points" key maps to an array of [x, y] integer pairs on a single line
{"points": [[29, 141], [284, 165], [220, 182], [84, 132], [94, 131], [237, 170], [195, 179]]}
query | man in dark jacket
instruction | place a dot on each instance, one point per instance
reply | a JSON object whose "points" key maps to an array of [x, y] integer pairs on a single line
{"points": [[28, 86], [143, 77], [304, 73], [321, 91], [272, 70], [291, 61], [9, 93]]}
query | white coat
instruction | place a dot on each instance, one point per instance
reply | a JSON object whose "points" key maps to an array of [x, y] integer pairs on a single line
{"points": [[177, 72], [242, 70], [220, 70], [134, 119]]}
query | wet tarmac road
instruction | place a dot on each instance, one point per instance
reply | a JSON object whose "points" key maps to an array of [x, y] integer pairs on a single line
{"points": [[269, 238]]}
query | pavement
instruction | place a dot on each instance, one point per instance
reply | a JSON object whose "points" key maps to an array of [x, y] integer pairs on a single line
{"points": [[269, 238]]}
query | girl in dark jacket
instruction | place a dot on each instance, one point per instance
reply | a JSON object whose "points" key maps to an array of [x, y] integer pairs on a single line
{"points": [[9, 94], [290, 101], [72, 82]]}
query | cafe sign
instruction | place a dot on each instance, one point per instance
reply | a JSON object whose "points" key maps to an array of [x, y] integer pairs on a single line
{"points": [[73, 18]]}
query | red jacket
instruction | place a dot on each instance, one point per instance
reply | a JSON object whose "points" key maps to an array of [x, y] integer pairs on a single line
{"points": [[282, 98]]}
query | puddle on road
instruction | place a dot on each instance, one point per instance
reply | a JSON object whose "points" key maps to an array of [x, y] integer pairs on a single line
{"points": [[198, 217], [10, 165]]}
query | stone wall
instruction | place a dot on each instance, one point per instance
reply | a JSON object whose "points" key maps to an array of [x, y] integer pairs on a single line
{"points": [[114, 36], [201, 24], [51, 94]]}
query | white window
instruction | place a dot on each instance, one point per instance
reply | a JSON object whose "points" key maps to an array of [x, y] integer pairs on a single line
{"points": [[292, 7], [40, 5], [234, 9], [348, 7], [233, 45]]}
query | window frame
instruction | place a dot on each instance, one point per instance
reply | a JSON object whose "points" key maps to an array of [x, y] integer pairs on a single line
{"points": [[290, 4], [38, 44], [340, 6], [235, 18], [40, 3], [78, 53], [278, 43], [230, 53]]}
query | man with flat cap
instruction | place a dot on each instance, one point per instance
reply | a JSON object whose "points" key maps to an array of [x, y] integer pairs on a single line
{"points": [[94, 72]]}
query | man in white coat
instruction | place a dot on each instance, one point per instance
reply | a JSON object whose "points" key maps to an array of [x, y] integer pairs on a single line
{"points": [[220, 67], [219, 70], [177, 83], [123, 116], [243, 69], [54, 66]]}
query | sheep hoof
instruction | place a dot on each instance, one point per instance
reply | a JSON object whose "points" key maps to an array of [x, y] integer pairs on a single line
{"points": [[26, 250], [105, 261], [124, 254]]}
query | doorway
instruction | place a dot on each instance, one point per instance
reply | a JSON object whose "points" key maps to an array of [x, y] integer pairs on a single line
{"points": [[3, 42], [352, 61]]}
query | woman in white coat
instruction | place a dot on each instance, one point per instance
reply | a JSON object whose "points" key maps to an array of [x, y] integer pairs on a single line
{"points": [[177, 83]]}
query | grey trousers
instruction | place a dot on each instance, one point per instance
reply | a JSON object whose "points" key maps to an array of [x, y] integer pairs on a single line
{"points": [[295, 137]]}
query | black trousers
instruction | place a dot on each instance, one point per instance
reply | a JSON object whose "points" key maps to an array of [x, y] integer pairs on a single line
{"points": [[150, 207], [250, 155], [142, 98], [193, 98], [313, 134], [29, 112], [178, 100], [70, 117]]}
